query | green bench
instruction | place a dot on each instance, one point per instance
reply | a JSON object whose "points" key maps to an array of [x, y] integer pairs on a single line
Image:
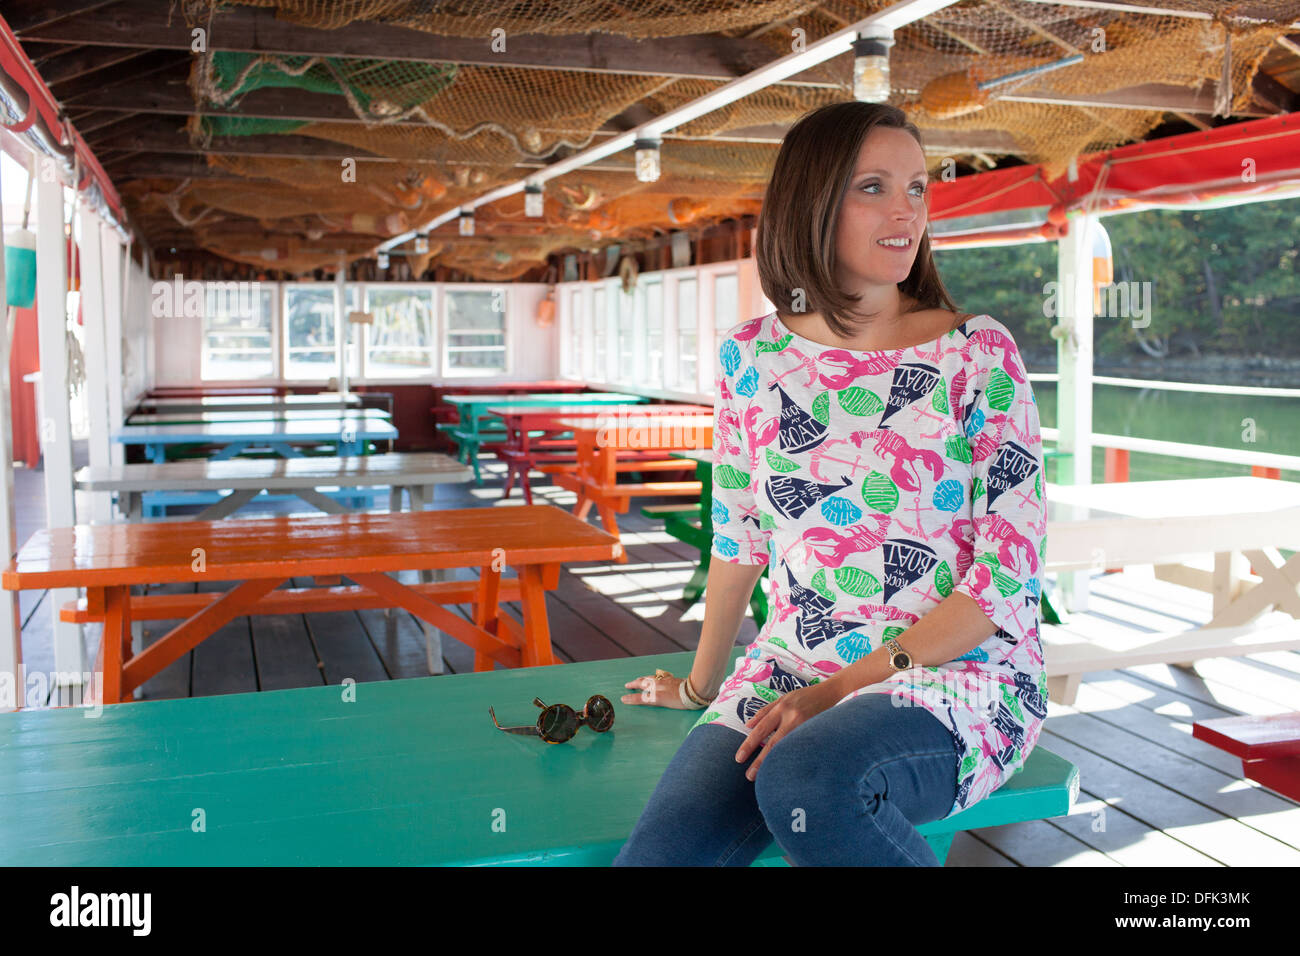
{"points": [[686, 523], [400, 772]]}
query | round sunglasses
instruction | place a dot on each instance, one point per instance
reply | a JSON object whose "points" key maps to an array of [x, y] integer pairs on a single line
{"points": [[559, 722]]}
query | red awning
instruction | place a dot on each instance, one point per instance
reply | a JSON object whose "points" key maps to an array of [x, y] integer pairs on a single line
{"points": [[1255, 157]]}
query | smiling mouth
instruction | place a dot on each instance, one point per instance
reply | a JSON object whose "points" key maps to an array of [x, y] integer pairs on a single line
{"points": [[901, 246]]}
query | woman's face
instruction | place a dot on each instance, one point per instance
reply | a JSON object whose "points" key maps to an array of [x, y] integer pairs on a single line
{"points": [[885, 198]]}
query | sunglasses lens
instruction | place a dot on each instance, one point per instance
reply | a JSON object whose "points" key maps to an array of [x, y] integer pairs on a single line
{"points": [[600, 713], [559, 723]]}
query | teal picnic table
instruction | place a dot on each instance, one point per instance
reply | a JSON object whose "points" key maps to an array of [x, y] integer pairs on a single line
{"points": [[404, 772], [472, 409]]}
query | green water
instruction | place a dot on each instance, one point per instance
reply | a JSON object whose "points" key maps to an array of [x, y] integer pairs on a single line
{"points": [[1190, 417]]}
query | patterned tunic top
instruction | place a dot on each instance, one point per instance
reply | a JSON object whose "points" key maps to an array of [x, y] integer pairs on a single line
{"points": [[874, 484]]}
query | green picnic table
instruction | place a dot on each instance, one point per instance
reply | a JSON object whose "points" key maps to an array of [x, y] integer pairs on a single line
{"points": [[471, 409], [693, 524], [388, 773]]}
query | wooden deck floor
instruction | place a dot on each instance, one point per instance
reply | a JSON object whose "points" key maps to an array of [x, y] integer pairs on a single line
{"points": [[1151, 794]]}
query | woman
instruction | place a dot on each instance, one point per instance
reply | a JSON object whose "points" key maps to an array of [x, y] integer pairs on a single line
{"points": [[881, 454]]}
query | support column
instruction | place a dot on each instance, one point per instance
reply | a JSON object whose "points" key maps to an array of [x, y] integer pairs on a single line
{"points": [[341, 322], [97, 400], [1074, 388], [114, 252], [56, 429], [12, 681]]}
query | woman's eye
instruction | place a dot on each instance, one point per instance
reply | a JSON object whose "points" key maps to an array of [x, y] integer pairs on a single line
{"points": [[920, 186]]}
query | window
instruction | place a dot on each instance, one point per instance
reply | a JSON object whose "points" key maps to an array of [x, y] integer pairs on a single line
{"points": [[236, 332], [309, 330], [626, 324], [599, 349], [687, 336], [726, 290], [654, 334], [476, 330], [577, 326], [399, 343]]}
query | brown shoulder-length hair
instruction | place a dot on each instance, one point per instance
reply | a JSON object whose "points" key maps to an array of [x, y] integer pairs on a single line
{"points": [[795, 246]]}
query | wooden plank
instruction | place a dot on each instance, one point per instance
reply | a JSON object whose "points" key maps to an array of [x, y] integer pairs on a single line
{"points": [[283, 650], [223, 663], [1180, 805], [968, 850], [176, 679], [343, 646]]}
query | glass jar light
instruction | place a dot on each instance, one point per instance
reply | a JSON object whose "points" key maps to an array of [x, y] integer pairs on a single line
{"points": [[871, 68]]}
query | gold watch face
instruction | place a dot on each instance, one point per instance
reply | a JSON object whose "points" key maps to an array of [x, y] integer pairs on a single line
{"points": [[902, 661]]}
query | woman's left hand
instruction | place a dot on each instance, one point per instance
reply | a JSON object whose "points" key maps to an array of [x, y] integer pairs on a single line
{"points": [[782, 716]]}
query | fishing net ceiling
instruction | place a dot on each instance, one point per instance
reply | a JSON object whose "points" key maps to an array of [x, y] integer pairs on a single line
{"points": [[440, 134]]}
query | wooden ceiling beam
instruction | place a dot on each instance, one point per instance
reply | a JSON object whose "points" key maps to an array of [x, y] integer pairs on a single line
{"points": [[140, 23], [23, 15], [84, 61], [107, 85]]}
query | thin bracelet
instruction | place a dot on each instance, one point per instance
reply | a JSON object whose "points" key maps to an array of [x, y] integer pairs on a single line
{"points": [[681, 694], [690, 692]]}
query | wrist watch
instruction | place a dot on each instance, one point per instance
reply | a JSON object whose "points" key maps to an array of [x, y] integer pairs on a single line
{"points": [[899, 659]]}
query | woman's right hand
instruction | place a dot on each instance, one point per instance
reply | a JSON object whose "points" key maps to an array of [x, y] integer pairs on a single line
{"points": [[656, 692]]}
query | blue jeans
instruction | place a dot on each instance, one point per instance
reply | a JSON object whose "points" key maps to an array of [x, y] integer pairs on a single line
{"points": [[846, 788]]}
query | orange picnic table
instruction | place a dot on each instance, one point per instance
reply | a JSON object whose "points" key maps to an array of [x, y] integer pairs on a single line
{"points": [[534, 439], [263, 554], [601, 440]]}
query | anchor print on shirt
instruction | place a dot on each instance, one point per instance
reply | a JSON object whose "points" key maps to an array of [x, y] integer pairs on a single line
{"points": [[906, 562], [912, 381], [814, 625]]}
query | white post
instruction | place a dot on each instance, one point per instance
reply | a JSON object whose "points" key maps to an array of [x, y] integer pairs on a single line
{"points": [[97, 397], [341, 323], [114, 251], [56, 429], [11, 637], [1074, 388]]}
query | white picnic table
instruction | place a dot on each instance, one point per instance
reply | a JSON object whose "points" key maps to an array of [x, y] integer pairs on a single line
{"points": [[245, 478], [261, 415], [1238, 523]]}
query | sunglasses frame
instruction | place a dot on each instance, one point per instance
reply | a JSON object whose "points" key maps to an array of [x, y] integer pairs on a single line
{"points": [[581, 718]]}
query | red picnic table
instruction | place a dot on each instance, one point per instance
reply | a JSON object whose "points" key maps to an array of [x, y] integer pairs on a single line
{"points": [[533, 439], [265, 553], [602, 440], [1269, 747]]}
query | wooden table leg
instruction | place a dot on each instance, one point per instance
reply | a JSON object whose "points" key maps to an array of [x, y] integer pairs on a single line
{"points": [[487, 612], [115, 642], [537, 630], [432, 636]]}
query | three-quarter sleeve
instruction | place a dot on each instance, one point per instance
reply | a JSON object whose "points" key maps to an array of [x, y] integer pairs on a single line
{"points": [[738, 533], [1008, 488]]}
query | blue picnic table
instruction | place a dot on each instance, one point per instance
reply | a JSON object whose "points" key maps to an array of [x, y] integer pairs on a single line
{"points": [[348, 436]]}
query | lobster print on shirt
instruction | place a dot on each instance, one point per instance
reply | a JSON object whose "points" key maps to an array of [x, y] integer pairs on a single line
{"points": [[883, 481]]}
